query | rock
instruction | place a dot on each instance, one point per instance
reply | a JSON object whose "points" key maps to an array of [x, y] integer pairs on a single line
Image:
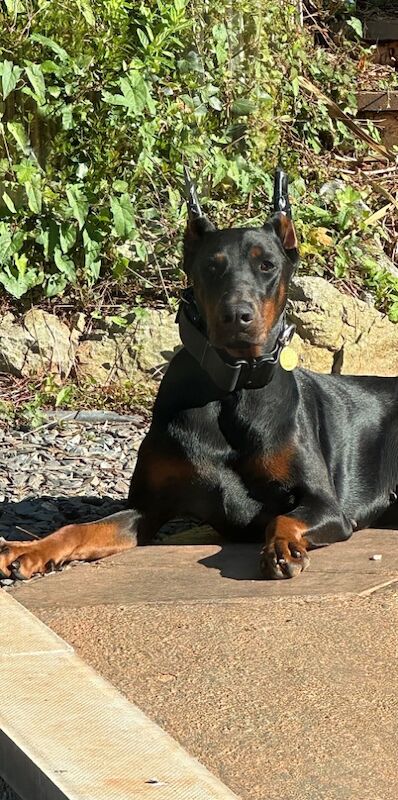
{"points": [[109, 353], [335, 333], [41, 344], [157, 340], [315, 307], [14, 346], [96, 358], [319, 359], [338, 333], [54, 344]]}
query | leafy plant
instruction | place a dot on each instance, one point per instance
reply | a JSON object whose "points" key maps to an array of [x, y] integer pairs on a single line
{"points": [[103, 101]]}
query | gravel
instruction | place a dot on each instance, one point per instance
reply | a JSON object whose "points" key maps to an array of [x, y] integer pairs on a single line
{"points": [[65, 471]]}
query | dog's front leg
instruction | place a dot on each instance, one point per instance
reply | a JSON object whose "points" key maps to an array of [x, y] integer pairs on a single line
{"points": [[315, 522], [81, 542]]}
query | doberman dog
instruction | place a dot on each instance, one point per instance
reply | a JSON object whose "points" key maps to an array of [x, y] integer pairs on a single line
{"points": [[294, 459]]}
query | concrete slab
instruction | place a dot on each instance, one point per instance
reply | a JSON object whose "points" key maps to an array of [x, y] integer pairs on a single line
{"points": [[67, 734], [23, 634], [209, 572], [281, 698], [283, 689]]}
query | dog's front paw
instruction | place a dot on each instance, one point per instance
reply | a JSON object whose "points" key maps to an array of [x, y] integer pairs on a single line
{"points": [[22, 560], [282, 558]]}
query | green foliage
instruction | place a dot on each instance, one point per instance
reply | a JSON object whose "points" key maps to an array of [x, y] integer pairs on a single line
{"points": [[103, 101]]}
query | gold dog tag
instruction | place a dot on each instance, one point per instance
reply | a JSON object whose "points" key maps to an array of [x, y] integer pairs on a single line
{"points": [[288, 358]]}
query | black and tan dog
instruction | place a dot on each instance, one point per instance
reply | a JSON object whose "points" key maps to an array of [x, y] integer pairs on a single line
{"points": [[260, 452]]}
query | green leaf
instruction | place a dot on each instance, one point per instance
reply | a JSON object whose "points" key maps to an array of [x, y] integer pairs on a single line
{"points": [[393, 312], [82, 170], [242, 108], [36, 78], [215, 103], [18, 240], [46, 42], [6, 249], [48, 237], [65, 264], [10, 77], [356, 25], [85, 8], [78, 203], [92, 252], [55, 285], [122, 322], [17, 130], [67, 236], [67, 117], [135, 96], [64, 396], [25, 171], [296, 86], [9, 203], [120, 186], [34, 197], [123, 215], [143, 38], [14, 7], [18, 278]]}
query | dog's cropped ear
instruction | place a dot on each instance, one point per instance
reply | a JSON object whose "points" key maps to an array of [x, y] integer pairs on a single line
{"points": [[284, 228], [194, 232]]}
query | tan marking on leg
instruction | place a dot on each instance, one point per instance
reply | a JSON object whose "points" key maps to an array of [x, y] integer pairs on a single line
{"points": [[84, 542]]}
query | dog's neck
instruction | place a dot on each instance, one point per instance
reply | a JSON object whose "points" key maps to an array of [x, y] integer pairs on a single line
{"points": [[228, 374], [244, 418]]}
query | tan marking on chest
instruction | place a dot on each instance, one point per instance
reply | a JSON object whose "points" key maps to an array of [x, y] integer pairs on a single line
{"points": [[275, 466], [166, 470]]}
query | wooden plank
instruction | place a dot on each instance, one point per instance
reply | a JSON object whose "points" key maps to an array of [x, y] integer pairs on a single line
{"points": [[381, 29], [378, 101]]}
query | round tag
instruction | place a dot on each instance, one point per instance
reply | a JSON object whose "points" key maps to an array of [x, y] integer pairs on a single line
{"points": [[288, 358]]}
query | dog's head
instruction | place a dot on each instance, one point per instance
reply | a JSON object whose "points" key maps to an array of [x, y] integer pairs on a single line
{"points": [[240, 278]]}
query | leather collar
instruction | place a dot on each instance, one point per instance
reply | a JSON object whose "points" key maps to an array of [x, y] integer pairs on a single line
{"points": [[227, 373]]}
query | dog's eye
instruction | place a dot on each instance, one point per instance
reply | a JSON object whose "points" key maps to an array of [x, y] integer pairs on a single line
{"points": [[217, 264], [266, 265]]}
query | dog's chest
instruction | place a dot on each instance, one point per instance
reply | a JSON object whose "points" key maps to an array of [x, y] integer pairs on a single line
{"points": [[227, 449]]}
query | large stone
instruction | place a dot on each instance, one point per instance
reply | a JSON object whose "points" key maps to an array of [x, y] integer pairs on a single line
{"points": [[318, 359], [157, 339], [110, 353], [336, 332], [54, 345], [14, 346], [41, 344]]}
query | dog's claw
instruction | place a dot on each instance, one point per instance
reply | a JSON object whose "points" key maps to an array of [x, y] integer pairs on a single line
{"points": [[276, 564], [15, 570]]}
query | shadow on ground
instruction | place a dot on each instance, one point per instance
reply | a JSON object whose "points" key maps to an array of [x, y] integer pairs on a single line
{"points": [[239, 562], [42, 515]]}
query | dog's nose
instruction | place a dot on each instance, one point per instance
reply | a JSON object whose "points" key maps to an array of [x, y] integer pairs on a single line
{"points": [[241, 314]]}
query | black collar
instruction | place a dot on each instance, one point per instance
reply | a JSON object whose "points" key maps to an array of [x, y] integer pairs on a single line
{"points": [[230, 374]]}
